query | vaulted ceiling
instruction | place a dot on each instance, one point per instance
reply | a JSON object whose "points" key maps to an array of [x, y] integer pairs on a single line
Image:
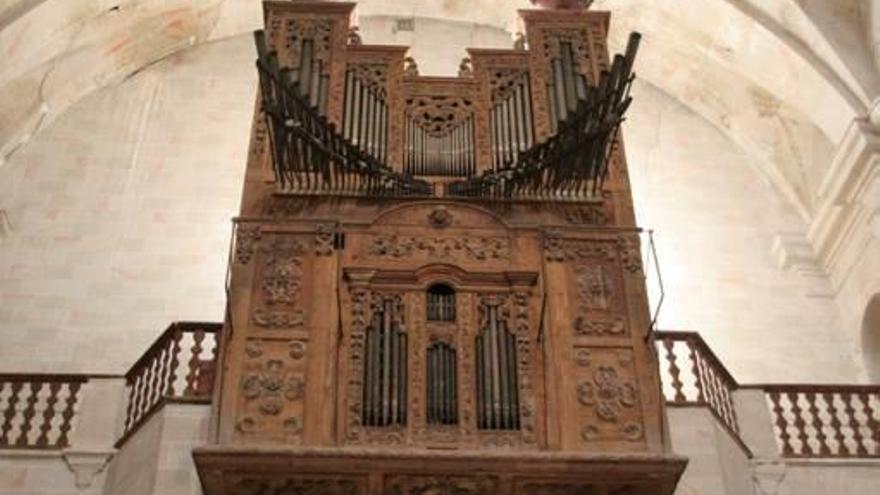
{"points": [[783, 79]]}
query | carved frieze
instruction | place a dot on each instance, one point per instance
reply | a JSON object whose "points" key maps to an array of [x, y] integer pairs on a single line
{"points": [[579, 40], [268, 318], [324, 235], [372, 75], [296, 485], [471, 248], [247, 238], [589, 215], [503, 80], [440, 485], [439, 114], [586, 327], [286, 35]]}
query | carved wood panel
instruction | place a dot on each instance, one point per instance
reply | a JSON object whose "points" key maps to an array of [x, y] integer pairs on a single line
{"points": [[596, 281], [272, 390], [440, 485], [607, 392], [304, 484], [280, 297]]}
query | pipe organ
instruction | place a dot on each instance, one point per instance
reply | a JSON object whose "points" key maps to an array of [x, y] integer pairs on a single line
{"points": [[497, 401], [385, 371], [446, 153], [441, 397], [365, 121], [435, 283], [567, 85], [510, 118]]}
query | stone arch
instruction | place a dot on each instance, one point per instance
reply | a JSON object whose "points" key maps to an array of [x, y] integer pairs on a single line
{"points": [[871, 338]]}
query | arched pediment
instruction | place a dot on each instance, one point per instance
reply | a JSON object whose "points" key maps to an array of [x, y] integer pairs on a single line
{"points": [[439, 215]]}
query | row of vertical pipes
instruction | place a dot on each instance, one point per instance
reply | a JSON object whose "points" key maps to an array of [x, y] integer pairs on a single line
{"points": [[310, 78], [440, 303], [567, 86], [510, 121], [309, 156], [442, 389], [365, 117], [450, 155], [385, 378], [497, 381]]}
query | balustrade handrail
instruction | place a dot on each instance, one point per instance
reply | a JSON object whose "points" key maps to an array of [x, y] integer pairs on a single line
{"points": [[156, 377], [29, 417], [810, 420], [708, 384]]}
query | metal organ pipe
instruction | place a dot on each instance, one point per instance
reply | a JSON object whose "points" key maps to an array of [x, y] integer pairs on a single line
{"points": [[365, 116], [384, 401], [450, 154], [510, 123], [441, 390], [497, 381]]}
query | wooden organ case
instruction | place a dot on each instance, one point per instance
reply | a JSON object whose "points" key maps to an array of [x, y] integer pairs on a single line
{"points": [[435, 283]]}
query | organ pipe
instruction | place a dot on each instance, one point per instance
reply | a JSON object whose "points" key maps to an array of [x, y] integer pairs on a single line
{"points": [[365, 116], [442, 385], [497, 380], [510, 123], [384, 391], [450, 154]]}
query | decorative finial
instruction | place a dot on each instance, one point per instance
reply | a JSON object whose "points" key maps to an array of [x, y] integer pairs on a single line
{"points": [[410, 67], [464, 68], [354, 37], [519, 43]]}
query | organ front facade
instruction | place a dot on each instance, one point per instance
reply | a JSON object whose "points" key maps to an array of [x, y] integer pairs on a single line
{"points": [[436, 284]]}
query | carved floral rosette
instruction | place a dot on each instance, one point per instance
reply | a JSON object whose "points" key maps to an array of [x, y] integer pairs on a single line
{"points": [[272, 390], [607, 394]]}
